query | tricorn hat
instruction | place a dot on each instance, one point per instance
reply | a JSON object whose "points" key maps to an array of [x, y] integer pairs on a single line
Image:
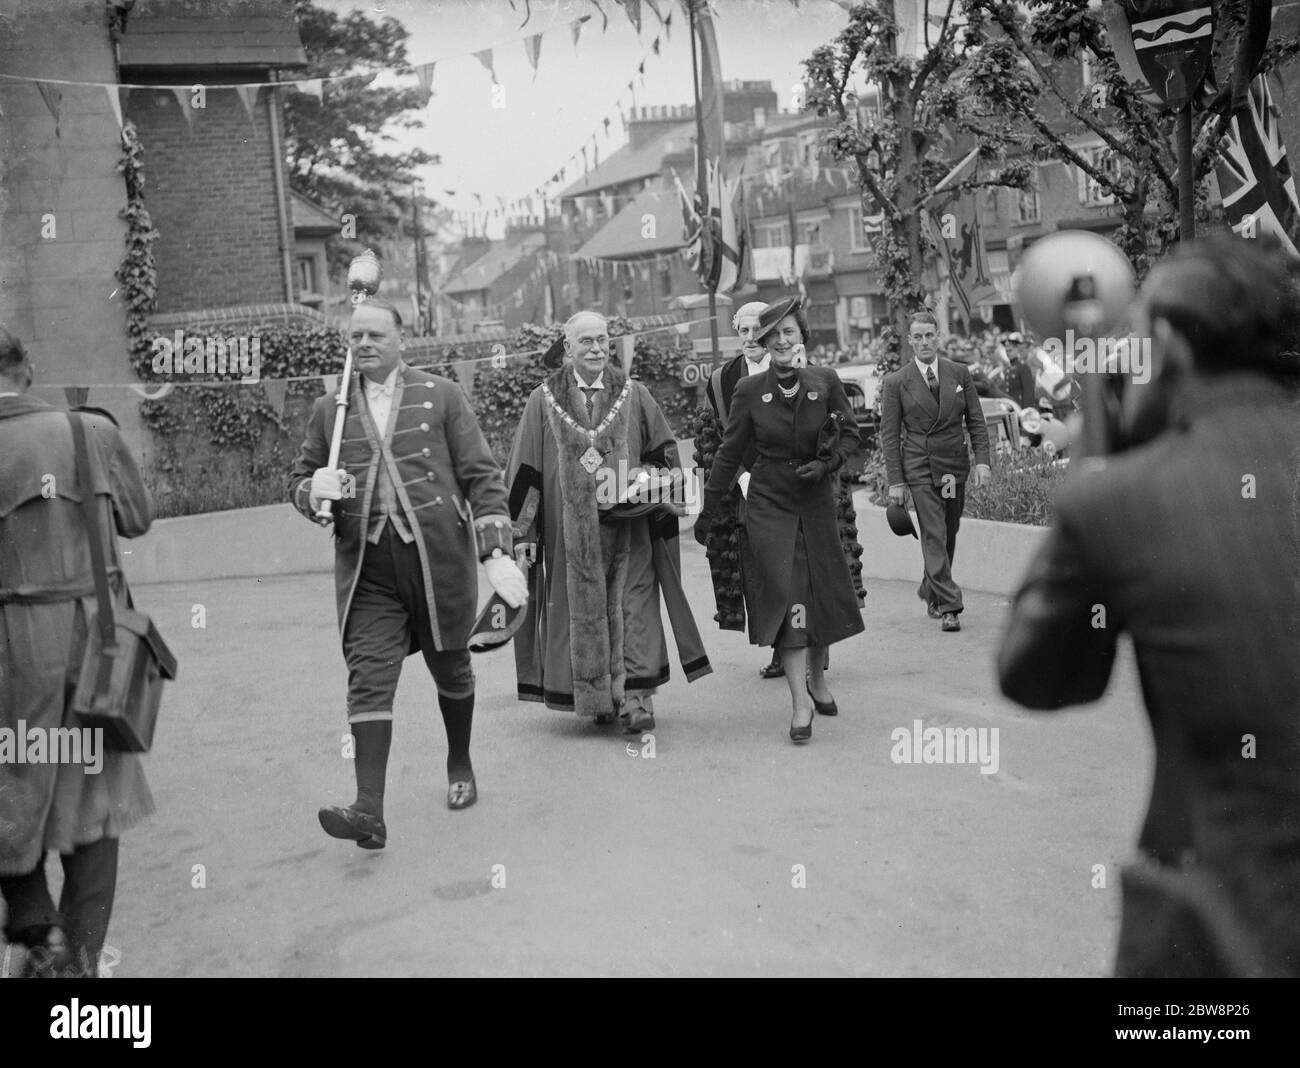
{"points": [[496, 625], [774, 313], [900, 521]]}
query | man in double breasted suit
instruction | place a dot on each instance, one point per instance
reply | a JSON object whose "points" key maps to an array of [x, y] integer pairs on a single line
{"points": [[419, 502], [1190, 544], [929, 405]]}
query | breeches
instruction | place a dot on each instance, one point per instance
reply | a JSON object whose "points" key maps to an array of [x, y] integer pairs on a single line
{"points": [[388, 618]]}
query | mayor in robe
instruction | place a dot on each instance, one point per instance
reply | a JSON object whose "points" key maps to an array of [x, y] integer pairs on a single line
{"points": [[593, 640]]}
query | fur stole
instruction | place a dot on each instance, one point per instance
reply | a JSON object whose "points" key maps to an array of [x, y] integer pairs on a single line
{"points": [[595, 553]]}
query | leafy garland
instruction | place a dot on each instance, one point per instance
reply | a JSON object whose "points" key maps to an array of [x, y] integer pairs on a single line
{"points": [[138, 273]]}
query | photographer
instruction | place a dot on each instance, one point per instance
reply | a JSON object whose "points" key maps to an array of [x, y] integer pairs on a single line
{"points": [[1188, 542]]}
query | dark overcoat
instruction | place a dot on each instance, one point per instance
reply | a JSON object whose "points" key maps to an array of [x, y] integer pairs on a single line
{"points": [[47, 595], [780, 436], [450, 490], [1191, 545]]}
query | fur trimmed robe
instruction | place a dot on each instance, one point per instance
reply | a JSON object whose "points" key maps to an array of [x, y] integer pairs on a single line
{"points": [[594, 633]]}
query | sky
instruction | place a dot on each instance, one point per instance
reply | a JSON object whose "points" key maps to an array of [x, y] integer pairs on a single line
{"points": [[509, 151]]}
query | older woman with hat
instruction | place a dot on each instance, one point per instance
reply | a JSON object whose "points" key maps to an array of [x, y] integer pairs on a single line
{"points": [[796, 424]]}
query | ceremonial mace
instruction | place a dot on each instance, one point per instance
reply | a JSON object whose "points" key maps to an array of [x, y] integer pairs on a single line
{"points": [[364, 273]]}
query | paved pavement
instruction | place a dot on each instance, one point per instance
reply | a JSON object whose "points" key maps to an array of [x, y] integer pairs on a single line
{"points": [[609, 860]]}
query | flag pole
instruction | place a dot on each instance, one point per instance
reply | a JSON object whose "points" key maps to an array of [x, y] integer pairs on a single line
{"points": [[701, 185]]}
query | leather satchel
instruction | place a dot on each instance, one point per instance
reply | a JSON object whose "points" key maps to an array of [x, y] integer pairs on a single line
{"points": [[125, 660]]}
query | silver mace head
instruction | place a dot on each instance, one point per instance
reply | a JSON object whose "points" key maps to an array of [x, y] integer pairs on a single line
{"points": [[364, 273]]}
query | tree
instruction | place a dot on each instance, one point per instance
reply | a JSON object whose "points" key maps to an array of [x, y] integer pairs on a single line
{"points": [[337, 146], [907, 145], [1026, 69]]}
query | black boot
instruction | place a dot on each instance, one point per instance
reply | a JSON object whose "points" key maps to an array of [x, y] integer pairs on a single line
{"points": [[363, 821], [774, 670]]}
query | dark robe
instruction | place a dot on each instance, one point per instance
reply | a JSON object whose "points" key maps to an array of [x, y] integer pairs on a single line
{"points": [[593, 631]]}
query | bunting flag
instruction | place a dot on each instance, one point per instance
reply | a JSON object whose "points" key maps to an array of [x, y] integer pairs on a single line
{"points": [[654, 6], [655, 46], [53, 97], [632, 8], [577, 28], [533, 46], [1259, 193], [331, 384], [115, 102], [247, 95], [668, 27], [76, 396], [424, 72], [604, 19], [313, 87], [183, 101], [485, 57]]}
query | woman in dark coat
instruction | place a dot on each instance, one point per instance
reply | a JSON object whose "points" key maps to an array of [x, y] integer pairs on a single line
{"points": [[799, 594]]}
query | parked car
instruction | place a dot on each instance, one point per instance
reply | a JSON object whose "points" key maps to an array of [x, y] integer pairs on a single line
{"points": [[861, 383], [1019, 427]]}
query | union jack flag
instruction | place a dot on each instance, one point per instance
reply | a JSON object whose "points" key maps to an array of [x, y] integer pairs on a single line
{"points": [[1259, 194]]}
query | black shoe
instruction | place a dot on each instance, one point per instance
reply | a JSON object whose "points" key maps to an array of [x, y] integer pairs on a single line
{"points": [[369, 832], [774, 670], [801, 734], [824, 708], [950, 623], [932, 610], [48, 954], [462, 794]]}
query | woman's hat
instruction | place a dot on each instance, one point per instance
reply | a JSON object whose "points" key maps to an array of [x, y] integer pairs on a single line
{"points": [[774, 313]]}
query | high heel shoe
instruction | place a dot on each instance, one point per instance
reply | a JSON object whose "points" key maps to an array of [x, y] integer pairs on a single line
{"points": [[801, 734], [825, 708]]}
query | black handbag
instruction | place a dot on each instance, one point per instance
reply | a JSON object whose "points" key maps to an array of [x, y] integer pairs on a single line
{"points": [[828, 440], [125, 660]]}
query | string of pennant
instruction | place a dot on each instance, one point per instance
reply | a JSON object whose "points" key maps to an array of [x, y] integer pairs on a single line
{"points": [[476, 221]]}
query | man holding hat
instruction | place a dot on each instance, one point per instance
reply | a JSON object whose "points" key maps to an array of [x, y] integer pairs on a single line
{"points": [[926, 404], [591, 448], [419, 502]]}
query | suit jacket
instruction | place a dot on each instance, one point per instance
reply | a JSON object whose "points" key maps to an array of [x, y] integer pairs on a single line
{"points": [[720, 391], [924, 441], [449, 488], [1190, 544]]}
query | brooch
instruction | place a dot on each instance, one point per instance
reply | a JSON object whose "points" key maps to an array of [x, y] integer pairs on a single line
{"points": [[812, 396], [767, 398]]}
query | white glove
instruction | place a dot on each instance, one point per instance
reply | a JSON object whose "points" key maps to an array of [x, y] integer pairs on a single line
{"points": [[743, 482], [506, 578], [326, 485]]}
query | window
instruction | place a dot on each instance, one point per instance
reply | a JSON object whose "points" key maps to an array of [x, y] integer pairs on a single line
{"points": [[1028, 207], [307, 275], [1090, 190], [857, 236], [666, 282], [772, 235]]}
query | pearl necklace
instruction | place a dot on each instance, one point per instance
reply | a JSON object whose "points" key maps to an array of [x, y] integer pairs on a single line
{"points": [[788, 393]]}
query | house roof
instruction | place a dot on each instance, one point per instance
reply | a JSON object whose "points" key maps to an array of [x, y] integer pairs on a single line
{"points": [[309, 217], [627, 164], [621, 237], [486, 269], [178, 33]]}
